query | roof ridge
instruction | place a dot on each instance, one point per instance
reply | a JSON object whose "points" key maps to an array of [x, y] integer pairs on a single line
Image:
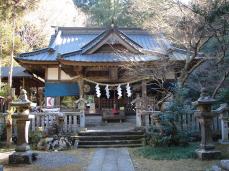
{"points": [[105, 34], [66, 55], [33, 52]]}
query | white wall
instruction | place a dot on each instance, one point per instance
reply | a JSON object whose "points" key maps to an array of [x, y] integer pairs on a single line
{"points": [[64, 76], [52, 74]]}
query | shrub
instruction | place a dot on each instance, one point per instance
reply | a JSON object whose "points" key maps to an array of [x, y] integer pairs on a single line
{"points": [[3, 132], [35, 137], [165, 133]]}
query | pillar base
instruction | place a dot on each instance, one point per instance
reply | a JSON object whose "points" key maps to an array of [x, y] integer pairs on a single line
{"points": [[22, 148], [224, 141], [22, 157], [207, 154]]}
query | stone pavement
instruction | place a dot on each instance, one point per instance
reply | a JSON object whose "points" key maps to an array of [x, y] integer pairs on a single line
{"points": [[111, 159]]}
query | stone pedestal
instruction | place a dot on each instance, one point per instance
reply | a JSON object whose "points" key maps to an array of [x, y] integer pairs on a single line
{"points": [[23, 153], [224, 130], [205, 117]]}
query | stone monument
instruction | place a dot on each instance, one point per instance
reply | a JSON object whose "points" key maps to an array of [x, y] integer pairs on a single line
{"points": [[23, 153], [205, 116]]}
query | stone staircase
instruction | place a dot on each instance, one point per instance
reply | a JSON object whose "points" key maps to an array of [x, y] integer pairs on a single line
{"points": [[103, 139]]}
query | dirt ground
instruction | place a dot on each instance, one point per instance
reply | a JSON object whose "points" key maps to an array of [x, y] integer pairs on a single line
{"points": [[142, 164], [82, 156]]}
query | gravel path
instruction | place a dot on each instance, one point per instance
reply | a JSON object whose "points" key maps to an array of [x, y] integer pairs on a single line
{"points": [[51, 160], [71, 160]]}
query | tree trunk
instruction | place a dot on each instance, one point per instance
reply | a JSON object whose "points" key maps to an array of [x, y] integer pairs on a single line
{"points": [[1, 60], [10, 78], [220, 84]]}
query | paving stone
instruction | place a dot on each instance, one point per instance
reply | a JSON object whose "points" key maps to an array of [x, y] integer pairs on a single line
{"points": [[111, 159], [1, 167], [224, 164]]}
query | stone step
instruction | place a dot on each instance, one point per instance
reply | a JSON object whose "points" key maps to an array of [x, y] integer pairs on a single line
{"points": [[109, 133], [94, 139], [112, 142], [110, 146], [108, 137]]}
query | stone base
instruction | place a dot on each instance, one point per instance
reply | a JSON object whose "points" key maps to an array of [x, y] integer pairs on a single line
{"points": [[224, 141], [208, 154], [22, 157]]}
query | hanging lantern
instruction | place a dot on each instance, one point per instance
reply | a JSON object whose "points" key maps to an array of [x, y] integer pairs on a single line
{"points": [[119, 89], [107, 92], [128, 91], [97, 89]]}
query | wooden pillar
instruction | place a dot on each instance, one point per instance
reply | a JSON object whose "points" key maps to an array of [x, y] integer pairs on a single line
{"points": [[23, 82], [81, 85], [144, 89]]}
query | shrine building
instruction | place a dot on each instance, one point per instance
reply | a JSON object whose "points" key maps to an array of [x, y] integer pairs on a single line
{"points": [[90, 62]]}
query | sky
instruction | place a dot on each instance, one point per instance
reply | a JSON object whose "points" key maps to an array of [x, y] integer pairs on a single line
{"points": [[185, 1], [59, 13], [53, 14]]}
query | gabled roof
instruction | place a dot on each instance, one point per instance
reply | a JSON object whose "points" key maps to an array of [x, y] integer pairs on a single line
{"points": [[80, 44], [111, 36]]}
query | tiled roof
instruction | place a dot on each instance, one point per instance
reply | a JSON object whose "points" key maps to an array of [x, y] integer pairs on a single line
{"points": [[17, 72], [110, 57], [68, 40]]}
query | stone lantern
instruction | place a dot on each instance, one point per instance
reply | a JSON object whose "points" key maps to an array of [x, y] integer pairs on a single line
{"points": [[205, 116], [23, 153], [81, 103], [139, 102]]}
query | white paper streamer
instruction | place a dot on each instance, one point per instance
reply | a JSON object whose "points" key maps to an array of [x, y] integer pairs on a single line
{"points": [[107, 92]]}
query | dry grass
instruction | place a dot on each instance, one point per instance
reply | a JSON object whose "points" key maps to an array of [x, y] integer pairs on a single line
{"points": [[147, 164]]}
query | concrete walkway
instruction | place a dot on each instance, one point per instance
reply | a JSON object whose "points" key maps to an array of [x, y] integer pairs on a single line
{"points": [[111, 159]]}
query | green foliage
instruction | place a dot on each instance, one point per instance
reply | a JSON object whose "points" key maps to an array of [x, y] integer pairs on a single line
{"points": [[167, 153], [5, 91], [68, 101], [102, 12], [181, 105], [168, 129], [10, 9], [35, 137], [3, 132], [223, 96], [166, 133]]}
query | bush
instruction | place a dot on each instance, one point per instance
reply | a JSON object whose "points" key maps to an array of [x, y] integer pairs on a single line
{"points": [[166, 133], [35, 137], [3, 132]]}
